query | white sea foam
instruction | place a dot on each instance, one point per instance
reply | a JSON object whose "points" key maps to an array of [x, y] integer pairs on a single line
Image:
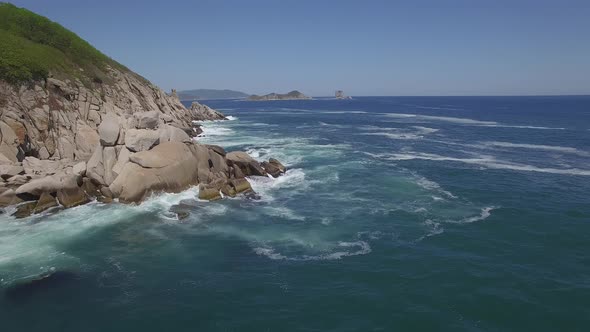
{"points": [[441, 118], [553, 148], [400, 133], [282, 212], [485, 161], [264, 186], [396, 136], [433, 186], [465, 121], [362, 248], [485, 213], [213, 131], [231, 117]]}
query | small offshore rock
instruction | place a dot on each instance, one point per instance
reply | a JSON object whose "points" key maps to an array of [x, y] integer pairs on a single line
{"points": [[25, 209], [46, 201], [209, 193]]}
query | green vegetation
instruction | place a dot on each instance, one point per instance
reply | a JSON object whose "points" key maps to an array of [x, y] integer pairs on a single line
{"points": [[32, 46]]}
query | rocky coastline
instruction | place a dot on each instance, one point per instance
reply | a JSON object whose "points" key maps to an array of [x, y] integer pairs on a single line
{"points": [[63, 145]]}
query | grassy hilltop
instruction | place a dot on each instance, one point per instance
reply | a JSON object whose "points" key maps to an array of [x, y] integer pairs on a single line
{"points": [[32, 46]]}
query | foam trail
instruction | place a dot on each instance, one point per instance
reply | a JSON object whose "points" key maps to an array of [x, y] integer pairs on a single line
{"points": [[485, 213], [362, 247], [554, 148], [486, 161], [465, 121], [431, 185]]}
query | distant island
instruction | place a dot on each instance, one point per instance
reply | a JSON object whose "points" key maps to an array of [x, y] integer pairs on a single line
{"points": [[200, 94], [340, 95], [277, 96]]}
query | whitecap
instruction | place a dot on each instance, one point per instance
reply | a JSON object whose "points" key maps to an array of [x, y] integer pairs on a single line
{"points": [[485, 213]]}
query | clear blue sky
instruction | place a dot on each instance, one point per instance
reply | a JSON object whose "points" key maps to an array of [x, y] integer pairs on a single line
{"points": [[391, 47]]}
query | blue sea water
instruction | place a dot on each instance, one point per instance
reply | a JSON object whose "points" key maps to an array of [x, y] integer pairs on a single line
{"points": [[396, 214]]}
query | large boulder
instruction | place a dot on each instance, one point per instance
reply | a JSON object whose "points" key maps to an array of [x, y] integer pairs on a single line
{"points": [[109, 130], [70, 197], [141, 139], [274, 167], [34, 166], [46, 201], [147, 120], [171, 167], [122, 159], [174, 134], [160, 156], [8, 197], [209, 193], [109, 158], [49, 184], [95, 166], [86, 139], [8, 171], [248, 165]]}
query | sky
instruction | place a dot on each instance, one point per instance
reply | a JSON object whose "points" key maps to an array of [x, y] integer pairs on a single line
{"points": [[373, 48]]}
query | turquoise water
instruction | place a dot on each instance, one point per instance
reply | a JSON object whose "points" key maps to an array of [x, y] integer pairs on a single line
{"points": [[442, 214]]}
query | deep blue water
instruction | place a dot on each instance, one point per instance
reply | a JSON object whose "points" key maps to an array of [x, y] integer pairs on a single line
{"points": [[397, 214]]}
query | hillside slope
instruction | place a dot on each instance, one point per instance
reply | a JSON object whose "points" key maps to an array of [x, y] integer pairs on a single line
{"points": [[55, 89]]}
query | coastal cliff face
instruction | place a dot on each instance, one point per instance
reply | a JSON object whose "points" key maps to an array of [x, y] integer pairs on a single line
{"points": [[86, 127], [277, 96], [57, 119]]}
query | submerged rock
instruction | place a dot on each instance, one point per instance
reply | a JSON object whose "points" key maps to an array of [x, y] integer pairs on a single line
{"points": [[45, 202], [44, 282], [25, 209]]}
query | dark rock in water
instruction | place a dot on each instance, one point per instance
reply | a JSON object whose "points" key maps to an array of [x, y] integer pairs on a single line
{"points": [[71, 197], [209, 193], [46, 281], [274, 167], [240, 185], [46, 201], [252, 195], [181, 215], [24, 210]]}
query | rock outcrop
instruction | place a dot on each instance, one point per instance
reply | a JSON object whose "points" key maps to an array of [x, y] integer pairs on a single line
{"points": [[206, 112], [151, 159], [95, 130], [58, 120]]}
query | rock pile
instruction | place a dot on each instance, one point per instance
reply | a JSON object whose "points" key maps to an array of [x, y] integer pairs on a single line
{"points": [[133, 158]]}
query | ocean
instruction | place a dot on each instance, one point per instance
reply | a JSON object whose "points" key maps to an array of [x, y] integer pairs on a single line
{"points": [[396, 214]]}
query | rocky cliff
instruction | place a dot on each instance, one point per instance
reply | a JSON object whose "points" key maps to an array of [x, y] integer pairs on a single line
{"points": [[87, 127], [55, 119]]}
